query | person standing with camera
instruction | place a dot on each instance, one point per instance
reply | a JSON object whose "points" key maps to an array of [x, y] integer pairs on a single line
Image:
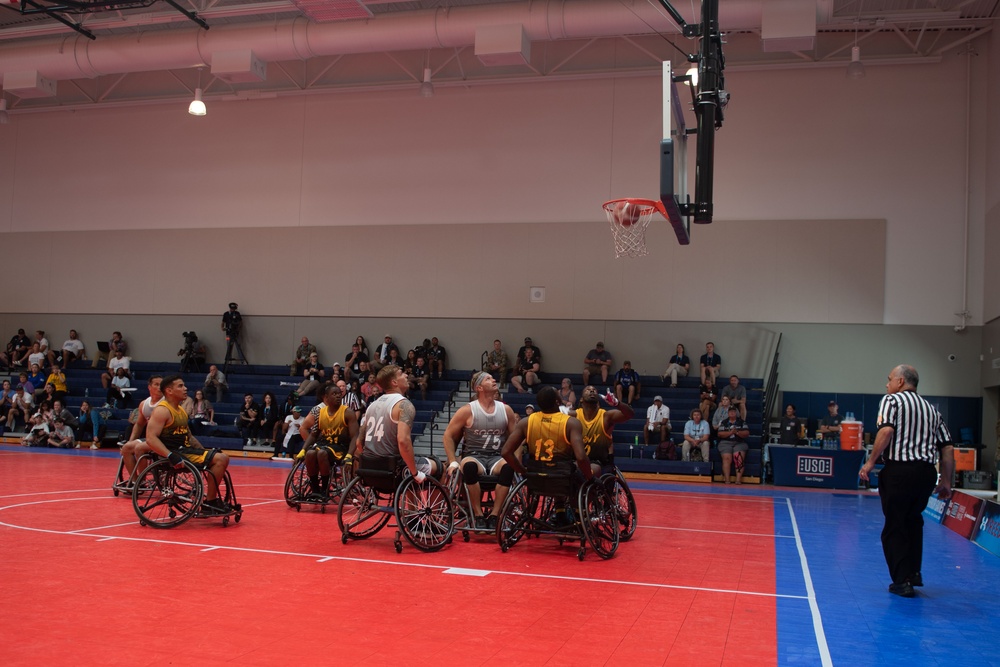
{"points": [[232, 325]]}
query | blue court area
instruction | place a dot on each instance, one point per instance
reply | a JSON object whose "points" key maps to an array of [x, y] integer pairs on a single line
{"points": [[833, 607]]}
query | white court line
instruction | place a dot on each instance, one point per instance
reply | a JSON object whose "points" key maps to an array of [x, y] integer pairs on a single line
{"points": [[329, 557], [51, 493], [720, 532], [710, 496], [824, 649], [111, 525]]}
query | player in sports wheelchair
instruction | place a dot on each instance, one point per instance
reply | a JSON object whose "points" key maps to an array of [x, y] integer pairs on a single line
{"points": [[383, 488], [184, 480], [555, 497], [323, 467]]}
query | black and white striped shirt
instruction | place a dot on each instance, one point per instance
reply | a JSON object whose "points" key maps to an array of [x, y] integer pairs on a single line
{"points": [[920, 431]]}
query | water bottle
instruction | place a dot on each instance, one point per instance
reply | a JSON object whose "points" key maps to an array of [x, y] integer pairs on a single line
{"points": [[632, 448]]}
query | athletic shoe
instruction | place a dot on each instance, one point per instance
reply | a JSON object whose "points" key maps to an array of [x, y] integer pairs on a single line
{"points": [[214, 506], [917, 580], [94, 446], [904, 590], [491, 522]]}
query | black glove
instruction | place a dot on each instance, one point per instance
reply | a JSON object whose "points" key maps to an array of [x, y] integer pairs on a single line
{"points": [[176, 460]]}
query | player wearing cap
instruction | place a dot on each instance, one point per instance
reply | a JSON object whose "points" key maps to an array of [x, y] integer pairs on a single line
{"points": [[482, 427]]}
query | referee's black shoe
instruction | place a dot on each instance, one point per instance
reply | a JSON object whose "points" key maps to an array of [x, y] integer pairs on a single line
{"points": [[916, 580], [904, 590]]}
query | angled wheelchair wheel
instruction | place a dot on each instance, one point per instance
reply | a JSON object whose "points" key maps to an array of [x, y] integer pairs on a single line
{"points": [[599, 519], [121, 480], [164, 497], [515, 516], [424, 513], [358, 514], [624, 503], [297, 485]]}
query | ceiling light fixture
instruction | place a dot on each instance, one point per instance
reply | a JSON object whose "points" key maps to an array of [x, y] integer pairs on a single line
{"points": [[856, 68], [4, 116], [427, 88], [197, 107]]}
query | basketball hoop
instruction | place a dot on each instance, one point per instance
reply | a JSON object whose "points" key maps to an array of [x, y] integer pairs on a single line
{"points": [[628, 219]]}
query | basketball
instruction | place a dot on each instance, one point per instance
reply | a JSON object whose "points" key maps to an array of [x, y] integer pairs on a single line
{"points": [[626, 214]]}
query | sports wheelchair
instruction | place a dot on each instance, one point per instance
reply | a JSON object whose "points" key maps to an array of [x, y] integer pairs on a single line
{"points": [[298, 490], [383, 488], [623, 500], [536, 502], [164, 496], [465, 518]]}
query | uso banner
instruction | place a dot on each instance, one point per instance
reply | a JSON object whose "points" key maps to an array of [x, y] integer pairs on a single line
{"points": [[963, 513], [988, 535]]}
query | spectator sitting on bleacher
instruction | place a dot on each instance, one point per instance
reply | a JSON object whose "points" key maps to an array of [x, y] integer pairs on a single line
{"points": [[417, 376], [267, 418], [59, 411], [369, 388], [627, 383], [679, 364], [48, 393], [598, 360], [313, 373], [302, 354], [657, 421], [20, 407], [436, 357], [567, 397], [353, 363], [38, 432], [697, 435], [117, 360], [17, 349], [117, 396], [737, 394], [711, 364], [394, 358], [733, 434], [37, 380], [246, 422], [201, 410], [61, 435], [72, 349], [496, 363], [43, 347], [23, 382], [116, 343], [6, 402], [215, 382], [363, 346], [89, 427], [36, 357], [709, 396], [526, 373], [58, 380], [721, 413], [336, 373], [382, 354], [528, 344]]}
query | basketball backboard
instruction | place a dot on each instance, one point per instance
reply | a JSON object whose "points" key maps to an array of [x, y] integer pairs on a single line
{"points": [[673, 158]]}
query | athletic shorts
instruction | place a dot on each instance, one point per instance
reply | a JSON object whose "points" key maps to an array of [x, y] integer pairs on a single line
{"points": [[200, 457], [602, 457], [488, 465], [423, 465], [729, 446], [335, 452]]}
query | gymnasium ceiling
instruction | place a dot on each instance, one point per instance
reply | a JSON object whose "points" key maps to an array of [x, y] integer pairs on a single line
{"points": [[142, 54]]}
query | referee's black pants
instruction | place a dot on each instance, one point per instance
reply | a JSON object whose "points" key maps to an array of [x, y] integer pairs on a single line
{"points": [[904, 487]]}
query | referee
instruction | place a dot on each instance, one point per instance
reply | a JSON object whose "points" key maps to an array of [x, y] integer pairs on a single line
{"points": [[912, 435]]}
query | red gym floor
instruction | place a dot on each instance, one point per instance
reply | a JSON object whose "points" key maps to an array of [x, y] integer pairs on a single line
{"points": [[83, 583]]}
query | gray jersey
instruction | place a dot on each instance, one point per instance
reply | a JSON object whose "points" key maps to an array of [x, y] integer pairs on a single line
{"points": [[488, 431], [381, 432]]}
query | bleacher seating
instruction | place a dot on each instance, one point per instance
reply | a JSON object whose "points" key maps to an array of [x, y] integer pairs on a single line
{"points": [[85, 383]]}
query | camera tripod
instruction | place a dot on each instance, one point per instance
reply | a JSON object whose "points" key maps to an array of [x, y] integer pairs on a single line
{"points": [[233, 345]]}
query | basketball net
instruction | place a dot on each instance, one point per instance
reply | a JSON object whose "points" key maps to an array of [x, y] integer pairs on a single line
{"points": [[628, 219]]}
